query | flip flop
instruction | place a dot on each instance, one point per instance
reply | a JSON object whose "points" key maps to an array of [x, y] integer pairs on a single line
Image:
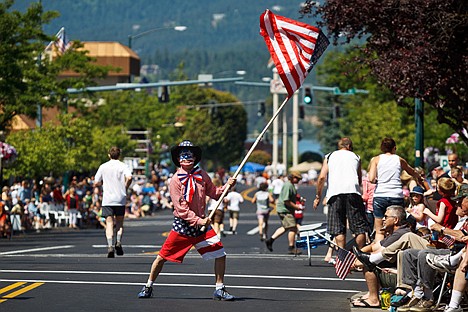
{"points": [[359, 299], [365, 304]]}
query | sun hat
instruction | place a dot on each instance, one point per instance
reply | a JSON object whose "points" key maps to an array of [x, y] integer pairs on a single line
{"points": [[296, 174], [185, 145], [417, 190]]}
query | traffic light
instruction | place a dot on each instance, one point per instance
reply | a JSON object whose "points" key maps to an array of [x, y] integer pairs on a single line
{"points": [[163, 94], [261, 109], [336, 112], [307, 95]]}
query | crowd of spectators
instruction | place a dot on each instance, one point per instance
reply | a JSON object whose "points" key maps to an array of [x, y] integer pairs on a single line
{"points": [[436, 212], [30, 205]]}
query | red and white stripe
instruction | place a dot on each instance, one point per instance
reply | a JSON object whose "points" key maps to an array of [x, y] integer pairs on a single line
{"points": [[188, 180], [344, 262], [291, 45], [211, 247]]}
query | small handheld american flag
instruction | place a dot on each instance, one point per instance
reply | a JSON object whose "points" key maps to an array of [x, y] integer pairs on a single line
{"points": [[344, 261], [448, 240]]}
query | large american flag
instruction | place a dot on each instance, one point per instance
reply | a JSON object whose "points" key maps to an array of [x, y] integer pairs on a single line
{"points": [[295, 47], [344, 261]]}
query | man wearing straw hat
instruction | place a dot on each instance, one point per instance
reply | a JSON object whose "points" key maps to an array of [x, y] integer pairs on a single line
{"points": [[285, 207], [191, 227]]}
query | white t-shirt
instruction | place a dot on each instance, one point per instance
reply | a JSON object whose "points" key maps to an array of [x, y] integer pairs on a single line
{"points": [[234, 199], [212, 204], [259, 180], [277, 185], [113, 174]]}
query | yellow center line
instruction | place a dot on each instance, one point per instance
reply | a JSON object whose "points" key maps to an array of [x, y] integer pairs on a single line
{"points": [[10, 287], [246, 192], [246, 196], [21, 291]]}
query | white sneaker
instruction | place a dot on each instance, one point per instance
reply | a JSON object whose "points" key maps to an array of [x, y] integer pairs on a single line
{"points": [[441, 262], [449, 309]]}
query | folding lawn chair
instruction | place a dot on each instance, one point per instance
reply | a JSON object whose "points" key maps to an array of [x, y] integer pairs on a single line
{"points": [[309, 239]]}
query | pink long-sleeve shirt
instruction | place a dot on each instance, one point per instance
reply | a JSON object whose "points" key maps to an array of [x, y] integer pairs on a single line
{"points": [[194, 211]]}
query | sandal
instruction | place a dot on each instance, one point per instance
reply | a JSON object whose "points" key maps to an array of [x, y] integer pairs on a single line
{"points": [[364, 304]]}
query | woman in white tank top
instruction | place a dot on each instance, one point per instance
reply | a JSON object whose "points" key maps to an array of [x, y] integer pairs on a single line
{"points": [[385, 170]]}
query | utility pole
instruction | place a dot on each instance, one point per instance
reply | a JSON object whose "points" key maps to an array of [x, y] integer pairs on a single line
{"points": [[274, 161], [295, 129], [419, 139], [285, 138]]}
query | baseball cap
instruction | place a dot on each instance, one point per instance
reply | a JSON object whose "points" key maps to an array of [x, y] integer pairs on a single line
{"points": [[432, 167]]}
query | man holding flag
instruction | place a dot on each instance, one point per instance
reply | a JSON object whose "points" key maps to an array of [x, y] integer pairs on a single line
{"points": [[189, 187]]}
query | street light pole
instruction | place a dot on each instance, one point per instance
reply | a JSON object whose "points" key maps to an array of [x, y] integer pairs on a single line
{"points": [[419, 140], [149, 31], [144, 33]]}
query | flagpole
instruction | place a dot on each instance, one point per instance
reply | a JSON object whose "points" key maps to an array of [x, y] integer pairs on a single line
{"points": [[247, 156]]}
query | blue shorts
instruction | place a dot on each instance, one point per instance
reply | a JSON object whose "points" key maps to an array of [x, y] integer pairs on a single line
{"points": [[382, 203]]}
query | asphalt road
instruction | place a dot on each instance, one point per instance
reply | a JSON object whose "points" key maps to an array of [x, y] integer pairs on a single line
{"points": [[67, 270]]}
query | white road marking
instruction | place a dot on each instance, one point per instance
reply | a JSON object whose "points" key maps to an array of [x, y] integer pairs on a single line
{"points": [[183, 285], [130, 246], [253, 231], [34, 249], [188, 274]]}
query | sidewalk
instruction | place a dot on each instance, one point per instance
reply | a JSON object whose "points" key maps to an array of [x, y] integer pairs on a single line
{"points": [[363, 309]]}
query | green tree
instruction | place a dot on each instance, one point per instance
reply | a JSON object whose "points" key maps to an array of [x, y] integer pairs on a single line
{"points": [[27, 77], [367, 119], [219, 130], [260, 157], [74, 145], [417, 49]]}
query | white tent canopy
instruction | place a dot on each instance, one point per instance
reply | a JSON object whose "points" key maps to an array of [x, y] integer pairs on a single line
{"points": [[306, 166]]}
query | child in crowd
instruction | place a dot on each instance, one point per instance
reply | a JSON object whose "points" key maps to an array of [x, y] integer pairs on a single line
{"points": [[416, 207], [299, 213], [5, 228], [457, 175], [263, 198], [445, 214], [368, 199], [218, 218]]}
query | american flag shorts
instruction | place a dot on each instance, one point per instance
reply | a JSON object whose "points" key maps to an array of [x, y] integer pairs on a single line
{"points": [[177, 246]]}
